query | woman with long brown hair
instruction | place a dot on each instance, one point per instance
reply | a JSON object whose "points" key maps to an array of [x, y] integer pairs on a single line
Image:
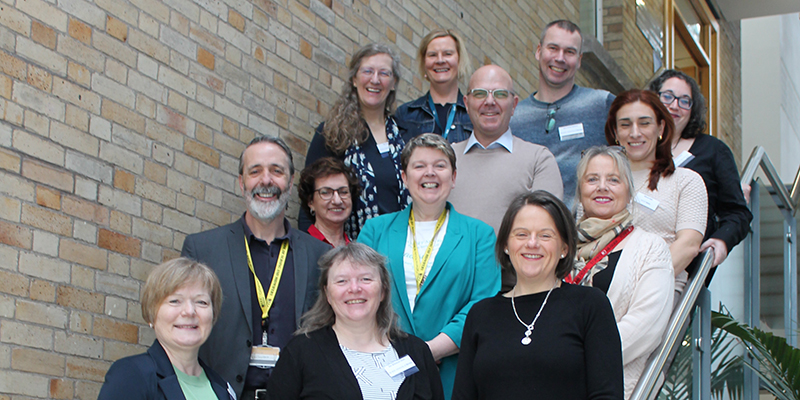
{"points": [[361, 132]]}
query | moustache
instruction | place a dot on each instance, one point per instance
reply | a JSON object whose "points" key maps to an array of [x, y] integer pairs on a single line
{"points": [[266, 190]]}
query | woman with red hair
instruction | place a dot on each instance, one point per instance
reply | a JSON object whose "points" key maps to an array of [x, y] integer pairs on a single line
{"points": [[670, 202]]}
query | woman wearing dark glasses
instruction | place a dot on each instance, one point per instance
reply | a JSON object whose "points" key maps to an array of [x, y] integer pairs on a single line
{"points": [[728, 216], [327, 188], [360, 131], [443, 60]]}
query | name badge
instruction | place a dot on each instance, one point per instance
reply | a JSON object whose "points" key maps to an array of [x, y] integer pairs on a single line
{"points": [[647, 201], [404, 366], [682, 159], [264, 356], [570, 132]]}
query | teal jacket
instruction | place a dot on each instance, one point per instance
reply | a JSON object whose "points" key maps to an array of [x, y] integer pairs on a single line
{"points": [[464, 271]]}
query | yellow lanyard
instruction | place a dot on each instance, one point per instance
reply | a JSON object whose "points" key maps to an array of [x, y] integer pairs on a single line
{"points": [[266, 302], [420, 265]]}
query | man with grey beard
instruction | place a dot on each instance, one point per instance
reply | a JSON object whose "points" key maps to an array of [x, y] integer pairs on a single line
{"points": [[268, 271]]}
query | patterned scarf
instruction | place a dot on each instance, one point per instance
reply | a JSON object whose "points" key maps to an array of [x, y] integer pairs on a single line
{"points": [[366, 206], [593, 236]]}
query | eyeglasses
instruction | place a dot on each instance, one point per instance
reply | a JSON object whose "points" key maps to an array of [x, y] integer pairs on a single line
{"points": [[551, 119], [326, 193], [684, 102], [498, 94], [382, 73]]}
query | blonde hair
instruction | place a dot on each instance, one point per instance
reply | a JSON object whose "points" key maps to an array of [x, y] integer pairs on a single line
{"points": [[168, 277], [463, 56]]}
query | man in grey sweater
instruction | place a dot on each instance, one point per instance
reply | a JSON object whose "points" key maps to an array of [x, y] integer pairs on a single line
{"points": [[494, 166], [561, 115]]}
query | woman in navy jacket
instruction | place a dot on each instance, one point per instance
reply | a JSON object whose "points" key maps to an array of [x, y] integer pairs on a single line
{"points": [[442, 59], [181, 301]]}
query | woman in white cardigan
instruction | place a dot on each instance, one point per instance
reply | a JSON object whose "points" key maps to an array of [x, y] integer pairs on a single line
{"points": [[633, 267]]}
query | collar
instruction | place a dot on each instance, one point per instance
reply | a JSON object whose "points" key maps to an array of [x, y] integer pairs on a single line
{"points": [[286, 226], [558, 102], [505, 140], [317, 234], [422, 102]]}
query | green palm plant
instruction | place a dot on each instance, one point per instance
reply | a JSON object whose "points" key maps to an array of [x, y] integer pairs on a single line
{"points": [[778, 363]]}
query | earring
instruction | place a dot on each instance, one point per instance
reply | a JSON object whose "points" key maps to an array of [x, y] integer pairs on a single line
{"points": [[659, 137], [563, 255], [616, 141], [312, 212], [151, 324], [506, 250]]}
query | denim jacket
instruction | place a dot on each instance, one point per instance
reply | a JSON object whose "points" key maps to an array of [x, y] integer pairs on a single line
{"points": [[416, 117]]}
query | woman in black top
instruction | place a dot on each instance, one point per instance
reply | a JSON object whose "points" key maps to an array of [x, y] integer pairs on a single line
{"points": [[545, 339], [361, 132], [728, 216]]}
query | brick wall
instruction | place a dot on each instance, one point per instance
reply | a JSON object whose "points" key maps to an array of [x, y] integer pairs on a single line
{"points": [[122, 122]]}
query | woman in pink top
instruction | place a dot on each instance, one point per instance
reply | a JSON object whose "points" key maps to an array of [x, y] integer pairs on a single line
{"points": [[670, 202]]}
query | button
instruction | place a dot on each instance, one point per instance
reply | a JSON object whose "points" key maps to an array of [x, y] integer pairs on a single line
{"points": [[453, 126], [239, 378], [249, 344]]}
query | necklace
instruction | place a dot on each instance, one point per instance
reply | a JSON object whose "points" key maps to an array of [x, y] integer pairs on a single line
{"points": [[527, 339]]}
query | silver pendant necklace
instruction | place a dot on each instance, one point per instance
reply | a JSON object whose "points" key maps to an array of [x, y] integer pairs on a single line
{"points": [[529, 327]]}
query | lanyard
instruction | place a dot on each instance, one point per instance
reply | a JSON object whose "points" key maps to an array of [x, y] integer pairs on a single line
{"points": [[266, 301], [599, 256], [450, 117], [420, 265]]}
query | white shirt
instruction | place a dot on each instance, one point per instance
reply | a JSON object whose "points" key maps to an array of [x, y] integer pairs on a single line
{"points": [[505, 140], [425, 231]]}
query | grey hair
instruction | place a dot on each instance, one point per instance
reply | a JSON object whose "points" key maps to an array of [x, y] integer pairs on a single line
{"points": [[620, 161]]}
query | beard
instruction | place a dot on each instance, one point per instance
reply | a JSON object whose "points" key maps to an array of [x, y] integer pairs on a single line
{"points": [[266, 211]]}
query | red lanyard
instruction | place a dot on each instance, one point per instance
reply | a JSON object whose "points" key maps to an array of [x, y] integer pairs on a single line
{"points": [[599, 256]]}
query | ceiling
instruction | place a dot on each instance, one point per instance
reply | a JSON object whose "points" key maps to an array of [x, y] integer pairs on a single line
{"points": [[734, 10]]}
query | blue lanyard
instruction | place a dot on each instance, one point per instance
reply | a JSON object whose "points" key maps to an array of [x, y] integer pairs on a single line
{"points": [[450, 117]]}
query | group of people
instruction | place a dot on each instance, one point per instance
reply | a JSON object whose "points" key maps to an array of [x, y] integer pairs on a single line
{"points": [[549, 271]]}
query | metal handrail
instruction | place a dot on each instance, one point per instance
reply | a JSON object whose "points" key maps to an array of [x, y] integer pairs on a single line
{"points": [[758, 158], [675, 329]]}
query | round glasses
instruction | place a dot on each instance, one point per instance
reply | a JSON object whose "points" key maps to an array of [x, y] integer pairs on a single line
{"points": [[684, 102], [326, 193]]}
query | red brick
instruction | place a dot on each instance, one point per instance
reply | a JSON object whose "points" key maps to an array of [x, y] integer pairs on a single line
{"points": [[70, 250], [48, 197], [305, 49], [14, 235], [80, 31], [205, 58], [40, 79], [124, 180], [84, 368], [12, 283], [85, 210], [48, 175], [236, 20], [111, 329], [119, 243], [116, 28], [13, 66], [43, 35], [45, 219], [201, 152], [68, 296], [61, 389]]}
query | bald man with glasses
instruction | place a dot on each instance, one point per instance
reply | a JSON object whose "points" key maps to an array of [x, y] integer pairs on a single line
{"points": [[494, 166]]}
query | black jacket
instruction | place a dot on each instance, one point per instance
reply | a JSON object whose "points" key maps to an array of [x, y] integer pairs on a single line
{"points": [[150, 376]]}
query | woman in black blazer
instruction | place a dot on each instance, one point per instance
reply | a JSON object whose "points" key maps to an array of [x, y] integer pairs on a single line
{"points": [[181, 301]]}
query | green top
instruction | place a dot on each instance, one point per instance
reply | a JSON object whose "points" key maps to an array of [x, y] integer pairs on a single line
{"points": [[195, 387]]}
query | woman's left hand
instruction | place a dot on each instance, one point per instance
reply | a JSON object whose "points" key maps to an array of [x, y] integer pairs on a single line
{"points": [[720, 250]]}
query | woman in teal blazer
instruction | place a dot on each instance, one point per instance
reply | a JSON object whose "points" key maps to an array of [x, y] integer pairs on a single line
{"points": [[441, 262]]}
